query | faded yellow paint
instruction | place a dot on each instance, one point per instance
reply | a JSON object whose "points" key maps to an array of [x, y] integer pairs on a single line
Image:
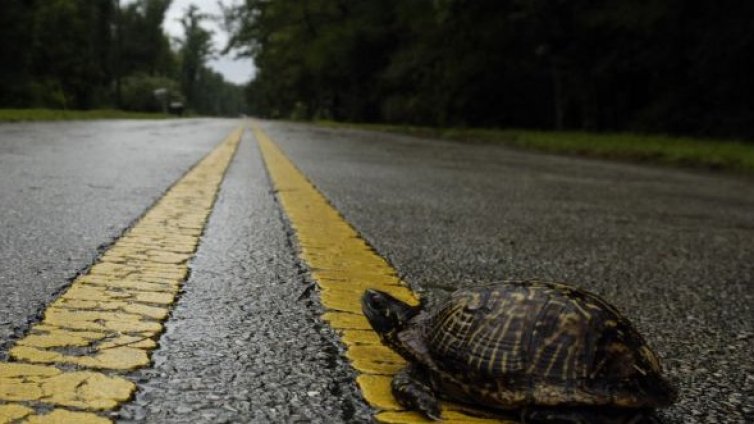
{"points": [[344, 265], [123, 358], [136, 286], [109, 318], [86, 390], [376, 389], [448, 416], [56, 337], [128, 306], [359, 337], [46, 384], [374, 359], [62, 416], [99, 321], [100, 294], [13, 412], [16, 413], [344, 321]]}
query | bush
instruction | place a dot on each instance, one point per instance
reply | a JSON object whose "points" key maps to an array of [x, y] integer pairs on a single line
{"points": [[48, 93], [138, 93]]}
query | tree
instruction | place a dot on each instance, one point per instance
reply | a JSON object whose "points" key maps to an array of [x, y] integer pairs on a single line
{"points": [[196, 48], [70, 44], [15, 53], [143, 45], [662, 65]]}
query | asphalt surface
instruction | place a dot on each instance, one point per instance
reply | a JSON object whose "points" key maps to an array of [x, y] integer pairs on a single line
{"points": [[68, 189], [674, 250]]}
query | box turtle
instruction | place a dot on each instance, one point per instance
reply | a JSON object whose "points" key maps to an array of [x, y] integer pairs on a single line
{"points": [[546, 352]]}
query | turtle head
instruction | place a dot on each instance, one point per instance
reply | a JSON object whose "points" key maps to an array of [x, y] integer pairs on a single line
{"points": [[386, 314]]}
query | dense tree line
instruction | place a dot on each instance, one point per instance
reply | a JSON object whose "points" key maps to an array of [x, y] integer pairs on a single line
{"points": [[84, 54], [674, 66]]}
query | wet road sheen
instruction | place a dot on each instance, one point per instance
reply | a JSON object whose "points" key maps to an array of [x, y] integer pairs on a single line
{"points": [[67, 189], [245, 343], [672, 249]]}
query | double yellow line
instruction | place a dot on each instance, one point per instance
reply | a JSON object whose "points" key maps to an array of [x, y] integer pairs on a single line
{"points": [[108, 321]]}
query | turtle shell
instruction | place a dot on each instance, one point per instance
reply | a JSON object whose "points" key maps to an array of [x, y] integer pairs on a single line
{"points": [[521, 343]]}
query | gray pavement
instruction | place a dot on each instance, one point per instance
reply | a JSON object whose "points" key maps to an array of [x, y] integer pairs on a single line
{"points": [[673, 249], [67, 189]]}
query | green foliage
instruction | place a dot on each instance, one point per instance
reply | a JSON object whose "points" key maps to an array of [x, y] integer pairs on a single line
{"points": [[83, 54], [17, 115], [196, 48], [47, 92], [215, 96], [15, 19], [68, 47], [315, 57], [142, 43], [677, 151], [138, 93], [206, 91], [618, 65]]}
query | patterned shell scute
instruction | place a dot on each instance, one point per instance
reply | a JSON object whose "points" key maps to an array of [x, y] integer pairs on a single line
{"points": [[539, 331]]}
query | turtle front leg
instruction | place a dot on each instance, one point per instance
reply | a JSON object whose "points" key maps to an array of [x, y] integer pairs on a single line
{"points": [[411, 390]]}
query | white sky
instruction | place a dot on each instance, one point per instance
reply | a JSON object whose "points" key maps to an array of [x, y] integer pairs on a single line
{"points": [[239, 71]]}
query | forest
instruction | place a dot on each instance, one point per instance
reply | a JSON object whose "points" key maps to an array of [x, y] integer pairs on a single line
{"points": [[683, 67], [678, 67], [92, 54]]}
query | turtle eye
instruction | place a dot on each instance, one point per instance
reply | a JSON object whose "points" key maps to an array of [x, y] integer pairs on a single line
{"points": [[383, 311], [375, 299], [377, 310]]}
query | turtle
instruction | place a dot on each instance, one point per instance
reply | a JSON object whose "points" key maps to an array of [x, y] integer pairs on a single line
{"points": [[540, 351]]}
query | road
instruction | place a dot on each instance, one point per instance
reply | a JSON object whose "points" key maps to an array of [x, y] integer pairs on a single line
{"points": [[69, 189], [673, 249]]}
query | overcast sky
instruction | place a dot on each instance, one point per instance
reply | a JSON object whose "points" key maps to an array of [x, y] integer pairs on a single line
{"points": [[238, 71]]}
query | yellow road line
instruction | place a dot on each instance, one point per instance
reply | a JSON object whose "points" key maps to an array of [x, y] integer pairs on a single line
{"points": [[343, 265], [108, 321]]}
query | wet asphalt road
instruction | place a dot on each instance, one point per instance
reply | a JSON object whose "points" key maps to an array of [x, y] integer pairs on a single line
{"points": [[673, 249], [67, 189], [245, 342]]}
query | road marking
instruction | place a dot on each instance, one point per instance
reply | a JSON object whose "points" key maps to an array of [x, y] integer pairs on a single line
{"points": [[343, 265], [109, 319]]}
